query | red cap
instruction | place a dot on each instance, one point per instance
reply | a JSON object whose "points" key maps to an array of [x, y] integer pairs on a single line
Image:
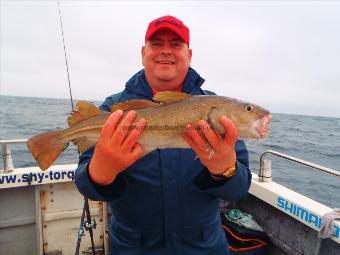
{"points": [[168, 23]]}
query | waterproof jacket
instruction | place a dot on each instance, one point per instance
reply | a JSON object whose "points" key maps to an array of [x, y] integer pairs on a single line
{"points": [[166, 202]]}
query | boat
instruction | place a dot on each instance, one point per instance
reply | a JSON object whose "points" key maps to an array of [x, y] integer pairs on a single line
{"points": [[41, 211]]}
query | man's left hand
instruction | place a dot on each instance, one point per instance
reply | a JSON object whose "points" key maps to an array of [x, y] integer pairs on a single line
{"points": [[215, 152]]}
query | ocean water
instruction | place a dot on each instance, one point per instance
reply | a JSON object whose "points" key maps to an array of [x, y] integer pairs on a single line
{"points": [[312, 138]]}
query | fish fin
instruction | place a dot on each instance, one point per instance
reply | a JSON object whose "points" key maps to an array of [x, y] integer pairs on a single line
{"points": [[46, 147], [83, 111], [133, 104], [213, 118], [84, 143], [168, 97]]}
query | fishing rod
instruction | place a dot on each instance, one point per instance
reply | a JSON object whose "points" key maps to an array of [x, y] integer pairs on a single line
{"points": [[65, 55], [84, 224]]}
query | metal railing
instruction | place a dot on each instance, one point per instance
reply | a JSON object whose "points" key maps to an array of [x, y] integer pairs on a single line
{"points": [[265, 165], [6, 153], [264, 172]]}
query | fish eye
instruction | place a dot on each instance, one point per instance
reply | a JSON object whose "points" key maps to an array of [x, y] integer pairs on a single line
{"points": [[249, 108]]}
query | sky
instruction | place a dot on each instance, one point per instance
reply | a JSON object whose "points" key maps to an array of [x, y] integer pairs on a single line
{"points": [[282, 55]]}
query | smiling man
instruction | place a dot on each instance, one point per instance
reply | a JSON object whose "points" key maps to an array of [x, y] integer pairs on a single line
{"points": [[166, 58], [165, 202]]}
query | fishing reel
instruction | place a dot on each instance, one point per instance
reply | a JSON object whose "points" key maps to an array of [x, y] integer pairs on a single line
{"points": [[87, 225]]}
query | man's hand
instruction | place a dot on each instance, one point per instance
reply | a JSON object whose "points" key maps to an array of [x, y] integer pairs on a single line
{"points": [[117, 148], [215, 153]]}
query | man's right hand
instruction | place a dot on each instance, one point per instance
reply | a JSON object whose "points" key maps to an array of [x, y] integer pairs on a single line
{"points": [[117, 148]]}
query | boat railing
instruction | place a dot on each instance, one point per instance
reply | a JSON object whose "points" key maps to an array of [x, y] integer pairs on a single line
{"points": [[265, 165], [264, 172], [6, 153]]}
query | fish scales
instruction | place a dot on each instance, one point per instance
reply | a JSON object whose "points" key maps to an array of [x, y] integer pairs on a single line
{"points": [[166, 121]]}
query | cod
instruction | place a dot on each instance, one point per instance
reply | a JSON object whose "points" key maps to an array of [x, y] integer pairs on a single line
{"points": [[167, 115]]}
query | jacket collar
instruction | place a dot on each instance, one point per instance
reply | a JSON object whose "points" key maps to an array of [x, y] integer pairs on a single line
{"points": [[140, 86]]}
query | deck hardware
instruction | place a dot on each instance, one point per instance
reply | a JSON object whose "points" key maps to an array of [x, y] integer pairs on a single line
{"points": [[266, 169], [7, 158], [294, 159], [6, 154]]}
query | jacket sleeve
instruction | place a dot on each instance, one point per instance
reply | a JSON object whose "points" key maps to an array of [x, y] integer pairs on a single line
{"points": [[86, 186], [232, 188], [93, 191]]}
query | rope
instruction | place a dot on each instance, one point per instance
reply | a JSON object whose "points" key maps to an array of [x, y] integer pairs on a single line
{"points": [[68, 74]]}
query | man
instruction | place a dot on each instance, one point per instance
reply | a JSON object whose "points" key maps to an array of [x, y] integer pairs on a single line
{"points": [[165, 202]]}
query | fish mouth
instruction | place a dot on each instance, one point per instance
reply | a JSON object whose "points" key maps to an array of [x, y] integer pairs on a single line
{"points": [[262, 126]]}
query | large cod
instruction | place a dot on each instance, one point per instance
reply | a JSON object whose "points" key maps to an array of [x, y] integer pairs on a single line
{"points": [[167, 117]]}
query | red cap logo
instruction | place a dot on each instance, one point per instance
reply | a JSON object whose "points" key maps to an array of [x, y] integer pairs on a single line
{"points": [[168, 23]]}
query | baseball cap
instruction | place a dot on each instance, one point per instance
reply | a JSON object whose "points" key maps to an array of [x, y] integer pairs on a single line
{"points": [[168, 23]]}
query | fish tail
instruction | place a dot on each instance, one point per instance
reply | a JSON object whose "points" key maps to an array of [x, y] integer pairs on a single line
{"points": [[46, 148]]}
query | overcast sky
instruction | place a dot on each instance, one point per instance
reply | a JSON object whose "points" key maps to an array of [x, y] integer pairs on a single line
{"points": [[283, 55]]}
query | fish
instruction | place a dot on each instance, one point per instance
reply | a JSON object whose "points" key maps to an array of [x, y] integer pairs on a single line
{"points": [[168, 115]]}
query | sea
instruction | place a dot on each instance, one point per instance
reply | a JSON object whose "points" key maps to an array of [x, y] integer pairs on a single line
{"points": [[312, 138]]}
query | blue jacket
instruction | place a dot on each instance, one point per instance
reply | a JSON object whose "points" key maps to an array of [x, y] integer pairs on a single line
{"points": [[166, 202]]}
